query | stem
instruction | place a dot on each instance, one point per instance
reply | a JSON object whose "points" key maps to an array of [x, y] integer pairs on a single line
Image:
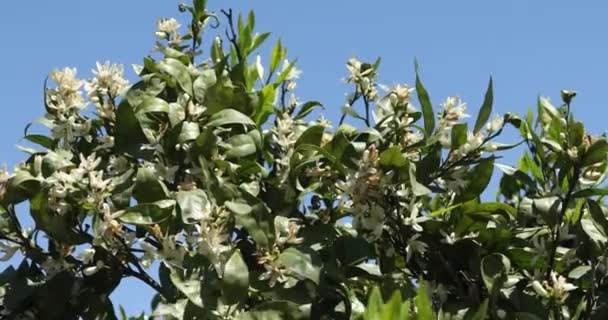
{"points": [[232, 35], [555, 234], [366, 101]]}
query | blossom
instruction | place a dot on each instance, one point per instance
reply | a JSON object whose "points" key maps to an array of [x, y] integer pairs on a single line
{"points": [[166, 26], [286, 231], [453, 110], [87, 255], [5, 176], [293, 74], [211, 242], [560, 287], [400, 96], [68, 87], [109, 80], [495, 124], [415, 246]]}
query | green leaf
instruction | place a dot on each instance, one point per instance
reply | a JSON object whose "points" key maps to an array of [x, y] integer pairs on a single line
{"points": [[425, 103], [179, 71], [392, 157], [596, 153], [591, 192], [459, 135], [579, 272], [417, 188], [303, 264], [392, 310], [240, 146], [228, 117], [423, 303], [40, 140], [127, 131], [194, 205], [258, 40], [494, 267], [202, 83], [479, 177], [598, 216], [235, 282], [151, 104], [307, 108], [482, 311], [374, 305], [486, 108], [591, 229], [148, 188], [276, 56], [312, 136], [147, 213], [56, 226]]}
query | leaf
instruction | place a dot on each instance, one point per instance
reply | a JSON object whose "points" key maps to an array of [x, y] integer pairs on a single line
{"points": [[493, 267], [417, 188], [459, 135], [240, 146], [40, 140], [276, 56], [202, 83], [579, 272], [591, 229], [591, 192], [374, 305], [151, 104], [303, 264], [177, 70], [148, 188], [229, 116], [598, 216], [392, 157], [423, 303], [482, 311], [147, 213], [425, 103], [235, 282], [194, 205], [312, 136], [127, 131], [479, 177], [307, 108], [486, 108], [596, 153]]}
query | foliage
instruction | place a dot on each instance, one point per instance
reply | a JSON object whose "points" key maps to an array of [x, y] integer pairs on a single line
{"points": [[210, 174]]}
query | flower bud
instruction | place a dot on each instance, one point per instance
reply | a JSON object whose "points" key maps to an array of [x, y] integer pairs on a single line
{"points": [[567, 95]]}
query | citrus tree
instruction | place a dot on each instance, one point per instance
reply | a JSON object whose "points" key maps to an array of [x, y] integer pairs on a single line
{"points": [[212, 183]]}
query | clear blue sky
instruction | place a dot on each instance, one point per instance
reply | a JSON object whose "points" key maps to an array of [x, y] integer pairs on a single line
{"points": [[529, 47]]}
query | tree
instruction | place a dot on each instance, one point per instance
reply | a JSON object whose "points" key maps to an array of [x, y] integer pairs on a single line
{"points": [[210, 172]]}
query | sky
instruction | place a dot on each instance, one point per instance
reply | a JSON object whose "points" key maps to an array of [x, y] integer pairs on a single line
{"points": [[530, 48]]}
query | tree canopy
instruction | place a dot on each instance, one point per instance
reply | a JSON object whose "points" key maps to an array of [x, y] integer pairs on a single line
{"points": [[212, 183]]}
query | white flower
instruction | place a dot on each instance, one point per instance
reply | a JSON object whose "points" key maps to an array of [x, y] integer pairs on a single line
{"points": [[87, 255], [68, 86], [415, 246], [453, 110], [213, 244], [91, 270], [495, 124], [167, 26], [7, 250], [109, 80], [275, 272], [400, 95], [293, 74], [286, 230], [560, 287]]}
